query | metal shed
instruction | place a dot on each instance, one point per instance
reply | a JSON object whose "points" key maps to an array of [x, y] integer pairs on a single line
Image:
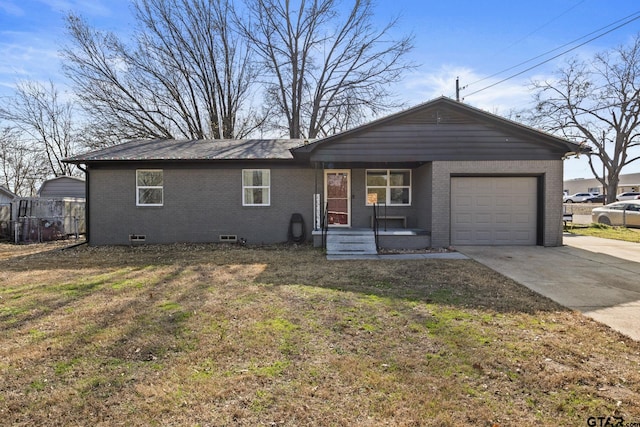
{"points": [[63, 186]]}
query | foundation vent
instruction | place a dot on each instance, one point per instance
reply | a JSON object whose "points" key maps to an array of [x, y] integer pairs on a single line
{"points": [[230, 238]]}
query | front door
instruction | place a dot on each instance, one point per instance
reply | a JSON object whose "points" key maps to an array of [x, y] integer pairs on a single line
{"points": [[337, 188]]}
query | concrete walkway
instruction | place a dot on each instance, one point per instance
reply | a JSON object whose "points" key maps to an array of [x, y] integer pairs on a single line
{"points": [[599, 277], [435, 255]]}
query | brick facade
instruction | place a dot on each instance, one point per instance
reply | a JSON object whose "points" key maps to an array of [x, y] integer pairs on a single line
{"points": [[550, 172], [200, 204]]}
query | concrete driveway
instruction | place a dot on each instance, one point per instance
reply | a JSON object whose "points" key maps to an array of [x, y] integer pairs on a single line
{"points": [[599, 277]]}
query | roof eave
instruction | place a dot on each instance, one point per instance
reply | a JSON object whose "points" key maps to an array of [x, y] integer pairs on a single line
{"points": [[571, 146]]}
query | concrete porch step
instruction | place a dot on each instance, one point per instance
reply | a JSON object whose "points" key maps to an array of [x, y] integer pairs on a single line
{"points": [[350, 242]]}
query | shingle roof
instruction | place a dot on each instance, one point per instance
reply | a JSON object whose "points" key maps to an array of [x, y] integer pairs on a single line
{"points": [[210, 149]]}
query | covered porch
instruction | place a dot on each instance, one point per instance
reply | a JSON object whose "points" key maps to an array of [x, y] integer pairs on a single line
{"points": [[365, 241], [386, 205]]}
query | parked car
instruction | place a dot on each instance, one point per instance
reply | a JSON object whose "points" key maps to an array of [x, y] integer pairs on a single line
{"points": [[629, 195], [577, 198], [625, 213], [598, 198]]}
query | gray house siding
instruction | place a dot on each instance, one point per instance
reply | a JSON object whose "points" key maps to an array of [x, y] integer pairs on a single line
{"points": [[437, 133], [496, 146], [422, 196], [200, 204]]}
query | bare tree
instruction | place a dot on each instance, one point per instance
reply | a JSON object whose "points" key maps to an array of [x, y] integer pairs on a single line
{"points": [[38, 112], [328, 71], [597, 101], [22, 167], [187, 74]]}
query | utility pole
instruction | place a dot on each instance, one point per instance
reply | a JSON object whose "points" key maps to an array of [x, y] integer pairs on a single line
{"points": [[604, 179], [458, 89]]}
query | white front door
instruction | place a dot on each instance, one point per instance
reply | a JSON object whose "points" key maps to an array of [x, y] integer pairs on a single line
{"points": [[337, 190]]}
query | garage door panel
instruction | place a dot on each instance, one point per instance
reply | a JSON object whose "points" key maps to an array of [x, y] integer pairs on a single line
{"points": [[482, 219], [463, 235], [493, 210], [482, 236], [503, 218], [524, 236], [482, 186], [463, 204], [464, 218], [503, 201], [524, 219], [502, 235]]}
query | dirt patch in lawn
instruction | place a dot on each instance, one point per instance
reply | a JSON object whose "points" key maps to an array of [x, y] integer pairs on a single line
{"points": [[226, 335]]}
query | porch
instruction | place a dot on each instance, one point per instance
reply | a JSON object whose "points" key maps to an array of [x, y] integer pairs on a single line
{"points": [[363, 209], [342, 240]]}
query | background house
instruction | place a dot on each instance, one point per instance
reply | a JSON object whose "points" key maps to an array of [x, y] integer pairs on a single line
{"points": [[628, 182], [6, 198], [443, 169]]}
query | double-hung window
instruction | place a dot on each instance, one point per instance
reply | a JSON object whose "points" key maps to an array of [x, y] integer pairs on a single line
{"points": [[389, 186], [149, 187], [256, 187]]}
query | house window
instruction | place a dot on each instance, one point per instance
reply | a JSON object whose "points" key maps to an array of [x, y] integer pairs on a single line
{"points": [[256, 187], [390, 186], [149, 187]]}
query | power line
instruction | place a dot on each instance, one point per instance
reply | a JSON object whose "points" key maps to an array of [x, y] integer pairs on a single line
{"points": [[553, 50], [543, 54], [558, 55]]}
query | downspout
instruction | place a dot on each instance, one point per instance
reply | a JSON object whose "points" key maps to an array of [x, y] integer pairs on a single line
{"points": [[317, 211], [86, 201]]}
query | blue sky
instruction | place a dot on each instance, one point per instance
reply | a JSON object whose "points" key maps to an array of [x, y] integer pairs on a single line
{"points": [[472, 39]]}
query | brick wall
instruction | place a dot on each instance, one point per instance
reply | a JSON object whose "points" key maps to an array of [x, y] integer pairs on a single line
{"points": [[200, 204], [550, 171]]}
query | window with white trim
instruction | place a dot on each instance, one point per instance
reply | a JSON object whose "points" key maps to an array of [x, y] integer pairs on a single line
{"points": [[389, 186], [149, 187], [256, 187]]}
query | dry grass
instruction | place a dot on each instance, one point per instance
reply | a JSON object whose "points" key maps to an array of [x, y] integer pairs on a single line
{"points": [[607, 232], [213, 335]]}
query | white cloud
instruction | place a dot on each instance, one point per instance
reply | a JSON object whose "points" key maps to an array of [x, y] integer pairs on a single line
{"points": [[90, 7], [10, 8], [500, 99], [31, 58]]}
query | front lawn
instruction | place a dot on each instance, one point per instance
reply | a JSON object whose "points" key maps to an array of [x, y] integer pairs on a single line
{"points": [[606, 232], [216, 335]]}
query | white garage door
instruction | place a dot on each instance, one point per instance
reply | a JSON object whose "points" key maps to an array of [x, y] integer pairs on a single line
{"points": [[493, 210]]}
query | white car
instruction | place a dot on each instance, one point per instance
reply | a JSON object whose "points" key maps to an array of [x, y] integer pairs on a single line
{"points": [[626, 213], [577, 198], [629, 195]]}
